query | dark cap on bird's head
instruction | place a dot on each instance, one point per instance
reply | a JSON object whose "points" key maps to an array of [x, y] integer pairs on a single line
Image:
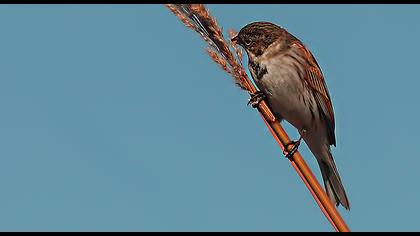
{"points": [[257, 36]]}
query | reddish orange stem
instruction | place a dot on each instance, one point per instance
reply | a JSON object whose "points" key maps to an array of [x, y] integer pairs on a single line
{"points": [[304, 171], [274, 126], [301, 176]]}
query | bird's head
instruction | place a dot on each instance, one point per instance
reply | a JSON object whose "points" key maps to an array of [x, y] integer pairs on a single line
{"points": [[256, 37]]}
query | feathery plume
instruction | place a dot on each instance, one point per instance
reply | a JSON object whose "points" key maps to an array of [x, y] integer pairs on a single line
{"points": [[198, 18]]}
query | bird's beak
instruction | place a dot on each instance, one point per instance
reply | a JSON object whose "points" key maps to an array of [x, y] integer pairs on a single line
{"points": [[235, 39]]}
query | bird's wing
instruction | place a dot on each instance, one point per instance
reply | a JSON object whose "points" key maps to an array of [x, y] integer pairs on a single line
{"points": [[316, 82]]}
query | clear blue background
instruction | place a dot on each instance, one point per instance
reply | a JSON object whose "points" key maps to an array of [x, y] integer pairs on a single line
{"points": [[113, 118]]}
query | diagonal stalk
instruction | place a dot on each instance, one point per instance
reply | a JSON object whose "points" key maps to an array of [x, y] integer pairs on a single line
{"points": [[198, 18]]}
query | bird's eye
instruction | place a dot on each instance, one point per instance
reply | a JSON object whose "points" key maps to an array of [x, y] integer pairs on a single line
{"points": [[247, 42]]}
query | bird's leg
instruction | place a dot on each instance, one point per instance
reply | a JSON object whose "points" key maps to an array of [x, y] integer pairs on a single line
{"points": [[295, 144], [256, 98], [295, 147]]}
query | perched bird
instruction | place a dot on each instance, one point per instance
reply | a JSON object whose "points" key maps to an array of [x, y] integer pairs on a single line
{"points": [[290, 80]]}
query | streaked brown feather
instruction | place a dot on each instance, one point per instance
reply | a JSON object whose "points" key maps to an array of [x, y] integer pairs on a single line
{"points": [[315, 80]]}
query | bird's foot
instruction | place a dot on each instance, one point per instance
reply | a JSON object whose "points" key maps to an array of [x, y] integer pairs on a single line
{"points": [[256, 98], [295, 147]]}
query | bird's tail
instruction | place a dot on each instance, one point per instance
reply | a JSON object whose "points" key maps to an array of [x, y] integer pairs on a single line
{"points": [[333, 186]]}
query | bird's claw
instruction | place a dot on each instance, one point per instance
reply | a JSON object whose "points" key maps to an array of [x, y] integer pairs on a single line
{"points": [[256, 98], [295, 147]]}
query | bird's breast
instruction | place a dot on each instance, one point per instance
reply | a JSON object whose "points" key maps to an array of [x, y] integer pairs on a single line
{"points": [[283, 85]]}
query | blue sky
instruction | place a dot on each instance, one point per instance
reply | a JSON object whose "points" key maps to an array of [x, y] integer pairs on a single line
{"points": [[113, 118]]}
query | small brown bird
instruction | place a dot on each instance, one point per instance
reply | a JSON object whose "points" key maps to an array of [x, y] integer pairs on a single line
{"points": [[290, 80]]}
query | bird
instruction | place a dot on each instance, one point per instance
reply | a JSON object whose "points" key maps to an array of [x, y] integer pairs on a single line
{"points": [[290, 80]]}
